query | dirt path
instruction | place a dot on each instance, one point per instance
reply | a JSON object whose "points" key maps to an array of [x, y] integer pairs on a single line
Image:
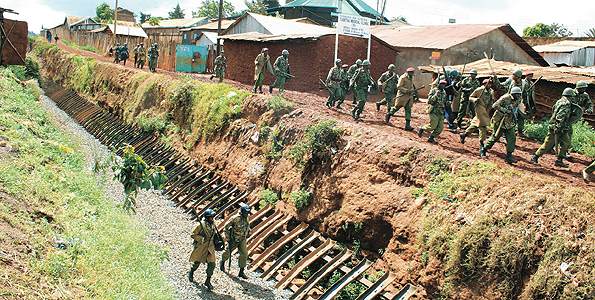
{"points": [[375, 131]]}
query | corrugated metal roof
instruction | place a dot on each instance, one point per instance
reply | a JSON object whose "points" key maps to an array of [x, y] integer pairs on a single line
{"points": [[261, 37], [211, 26], [72, 19], [504, 68], [278, 26], [83, 20], [438, 37], [176, 23], [556, 48], [576, 43], [350, 7], [127, 30]]}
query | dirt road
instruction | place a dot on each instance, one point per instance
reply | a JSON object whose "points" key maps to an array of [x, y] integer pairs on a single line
{"points": [[376, 132]]}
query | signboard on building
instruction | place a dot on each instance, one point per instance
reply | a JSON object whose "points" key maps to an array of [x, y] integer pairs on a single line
{"points": [[353, 26], [435, 55]]}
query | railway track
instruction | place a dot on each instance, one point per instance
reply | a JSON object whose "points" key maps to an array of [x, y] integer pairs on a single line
{"points": [[297, 257]]}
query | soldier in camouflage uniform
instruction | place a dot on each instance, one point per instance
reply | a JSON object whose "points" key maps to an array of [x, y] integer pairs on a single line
{"points": [[558, 128], [504, 122], [142, 55], [528, 101], [204, 246], [153, 55], [352, 70], [135, 52], [436, 103], [333, 84], [281, 66], [238, 231], [360, 83], [388, 84], [468, 86], [515, 80], [117, 53], [483, 101], [344, 85], [220, 66], [582, 99], [405, 98]]}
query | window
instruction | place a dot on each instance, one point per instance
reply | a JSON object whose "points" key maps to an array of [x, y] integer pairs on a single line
{"points": [[185, 36], [195, 35]]}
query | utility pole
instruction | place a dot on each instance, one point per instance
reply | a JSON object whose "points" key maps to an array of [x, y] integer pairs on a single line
{"points": [[116, 21], [219, 27]]}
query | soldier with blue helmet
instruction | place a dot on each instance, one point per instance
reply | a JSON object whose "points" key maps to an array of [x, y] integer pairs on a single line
{"points": [[204, 246], [238, 231]]}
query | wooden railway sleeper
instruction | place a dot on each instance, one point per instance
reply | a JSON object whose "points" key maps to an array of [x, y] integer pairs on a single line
{"points": [[217, 201], [201, 188], [349, 277], [206, 196], [279, 262], [277, 245]]}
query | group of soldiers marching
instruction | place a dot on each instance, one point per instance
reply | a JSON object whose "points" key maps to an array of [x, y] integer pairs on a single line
{"points": [[121, 54]]}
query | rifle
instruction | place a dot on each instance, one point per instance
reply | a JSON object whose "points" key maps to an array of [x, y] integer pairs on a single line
{"points": [[287, 75], [229, 247], [532, 106], [445, 75], [326, 86]]}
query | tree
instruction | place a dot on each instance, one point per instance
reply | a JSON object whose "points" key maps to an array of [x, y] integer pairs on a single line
{"points": [[104, 13], [177, 13], [144, 17], [543, 30], [260, 6], [590, 33], [400, 18], [154, 21], [210, 9]]}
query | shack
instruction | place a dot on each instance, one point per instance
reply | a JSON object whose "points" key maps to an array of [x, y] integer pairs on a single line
{"points": [[568, 53]]}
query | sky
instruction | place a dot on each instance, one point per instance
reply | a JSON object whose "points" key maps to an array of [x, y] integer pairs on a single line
{"points": [[576, 15]]}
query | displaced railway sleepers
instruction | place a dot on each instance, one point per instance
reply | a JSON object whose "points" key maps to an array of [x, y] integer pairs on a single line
{"points": [[296, 256]]}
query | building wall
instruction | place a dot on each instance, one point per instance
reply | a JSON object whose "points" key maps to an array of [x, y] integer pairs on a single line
{"points": [[309, 60], [125, 15], [248, 24]]}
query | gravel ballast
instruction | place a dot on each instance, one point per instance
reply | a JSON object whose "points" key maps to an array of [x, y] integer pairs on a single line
{"points": [[169, 228]]}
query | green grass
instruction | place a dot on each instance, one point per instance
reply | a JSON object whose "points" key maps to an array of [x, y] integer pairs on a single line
{"points": [[49, 173], [86, 48], [315, 147], [582, 139], [279, 104], [301, 198]]}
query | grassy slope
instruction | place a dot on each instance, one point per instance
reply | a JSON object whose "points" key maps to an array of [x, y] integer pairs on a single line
{"points": [[47, 173]]}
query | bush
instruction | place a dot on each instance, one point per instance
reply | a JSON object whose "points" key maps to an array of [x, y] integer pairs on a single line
{"points": [[274, 146], [582, 138], [301, 198], [279, 104], [317, 144], [268, 197]]}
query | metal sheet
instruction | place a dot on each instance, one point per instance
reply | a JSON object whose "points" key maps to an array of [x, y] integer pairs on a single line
{"points": [[280, 261], [304, 263], [191, 59]]}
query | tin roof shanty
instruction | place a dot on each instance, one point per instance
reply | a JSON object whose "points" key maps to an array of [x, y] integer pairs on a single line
{"points": [[568, 53], [251, 22], [177, 23], [123, 30]]}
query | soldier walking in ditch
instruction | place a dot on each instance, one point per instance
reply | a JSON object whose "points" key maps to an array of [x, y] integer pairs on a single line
{"points": [[388, 85], [220, 66], [142, 55], [405, 98], [262, 63], [436, 103], [153, 55], [238, 231], [281, 67], [204, 247]]}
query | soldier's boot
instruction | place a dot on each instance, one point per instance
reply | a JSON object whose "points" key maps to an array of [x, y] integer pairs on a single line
{"points": [[353, 114], [270, 89], [354, 99], [260, 90], [378, 106], [420, 131], [222, 266], [357, 116], [242, 274], [560, 162], [408, 125], [535, 160], [585, 175], [254, 90], [509, 158], [463, 136], [569, 157], [432, 140], [483, 152], [387, 118], [191, 275], [208, 284], [211, 78], [327, 104], [338, 106]]}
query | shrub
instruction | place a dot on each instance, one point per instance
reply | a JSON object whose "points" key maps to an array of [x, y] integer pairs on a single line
{"points": [[279, 104], [316, 145], [301, 198], [582, 138], [274, 146], [268, 197]]}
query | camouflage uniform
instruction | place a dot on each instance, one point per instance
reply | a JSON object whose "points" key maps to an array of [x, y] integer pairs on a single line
{"points": [[436, 103], [142, 55], [507, 86], [389, 87], [117, 54], [559, 122], [238, 231], [468, 86], [153, 55], [333, 83], [280, 65], [505, 117], [350, 73], [344, 87], [135, 52], [583, 101], [361, 80], [220, 67]]}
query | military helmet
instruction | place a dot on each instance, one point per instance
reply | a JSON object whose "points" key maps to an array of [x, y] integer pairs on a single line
{"points": [[338, 61], [222, 51], [517, 73], [410, 70], [125, 44], [117, 44], [569, 92], [245, 208], [474, 72], [345, 66], [444, 82], [581, 84], [515, 90], [209, 213], [391, 67], [358, 62], [285, 52], [366, 63], [454, 73]]}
